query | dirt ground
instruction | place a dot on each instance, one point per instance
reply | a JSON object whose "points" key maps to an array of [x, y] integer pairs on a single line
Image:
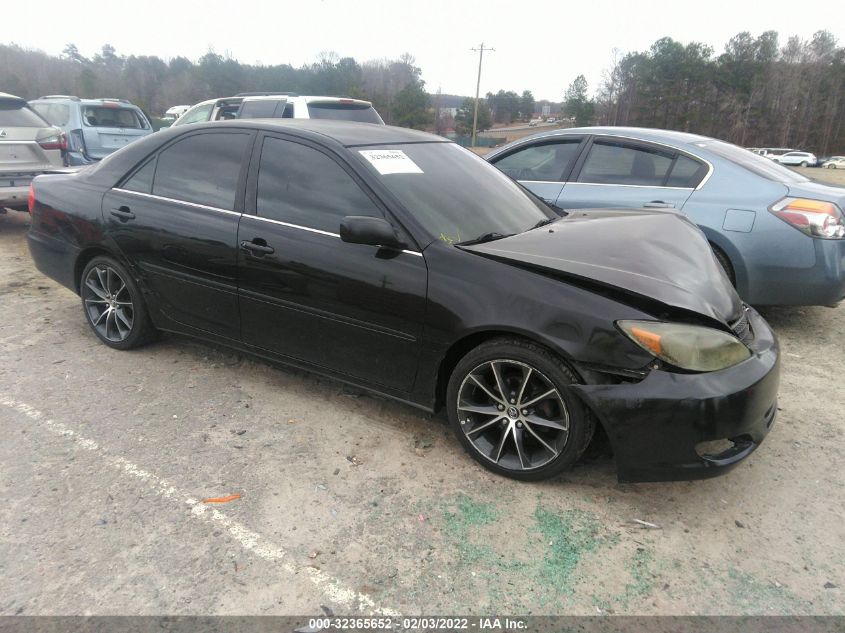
{"points": [[362, 505]]}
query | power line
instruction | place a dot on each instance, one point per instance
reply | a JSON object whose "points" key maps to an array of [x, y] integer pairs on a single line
{"points": [[480, 50]]}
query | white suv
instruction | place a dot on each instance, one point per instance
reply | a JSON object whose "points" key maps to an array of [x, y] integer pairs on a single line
{"points": [[805, 159], [281, 105]]}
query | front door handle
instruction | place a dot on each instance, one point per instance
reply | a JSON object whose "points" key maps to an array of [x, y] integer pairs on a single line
{"points": [[658, 204], [123, 213], [257, 247]]}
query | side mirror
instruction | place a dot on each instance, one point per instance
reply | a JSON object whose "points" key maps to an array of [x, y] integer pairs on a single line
{"points": [[362, 229]]}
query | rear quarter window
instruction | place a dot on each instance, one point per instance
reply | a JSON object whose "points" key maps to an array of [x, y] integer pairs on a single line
{"points": [[687, 173]]}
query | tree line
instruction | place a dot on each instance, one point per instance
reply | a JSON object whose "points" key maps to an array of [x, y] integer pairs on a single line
{"points": [[394, 86], [757, 93]]}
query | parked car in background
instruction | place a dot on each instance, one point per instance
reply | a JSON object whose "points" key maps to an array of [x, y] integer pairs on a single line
{"points": [[779, 236], [176, 111], [29, 146], [397, 261], [770, 152], [94, 127], [280, 105], [803, 159], [834, 162]]}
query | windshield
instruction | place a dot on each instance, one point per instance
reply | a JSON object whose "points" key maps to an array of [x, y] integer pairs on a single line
{"points": [[765, 167], [344, 112], [455, 195]]}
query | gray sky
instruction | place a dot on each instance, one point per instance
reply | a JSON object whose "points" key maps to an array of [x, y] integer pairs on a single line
{"points": [[540, 46]]}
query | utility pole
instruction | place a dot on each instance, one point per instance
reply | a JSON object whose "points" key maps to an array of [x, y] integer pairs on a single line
{"points": [[480, 50]]}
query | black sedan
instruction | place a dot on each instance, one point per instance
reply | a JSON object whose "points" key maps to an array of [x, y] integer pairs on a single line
{"points": [[402, 263]]}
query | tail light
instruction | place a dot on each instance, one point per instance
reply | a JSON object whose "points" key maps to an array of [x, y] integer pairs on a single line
{"points": [[54, 141], [816, 218], [76, 141], [30, 202]]}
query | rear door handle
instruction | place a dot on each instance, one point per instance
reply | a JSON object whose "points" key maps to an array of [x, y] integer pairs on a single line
{"points": [[257, 248], [658, 204], [123, 213]]}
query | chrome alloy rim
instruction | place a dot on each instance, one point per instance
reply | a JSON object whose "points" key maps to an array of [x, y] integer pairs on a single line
{"points": [[108, 304], [513, 414]]}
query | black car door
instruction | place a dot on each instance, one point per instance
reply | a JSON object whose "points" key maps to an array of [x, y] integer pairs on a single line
{"points": [[305, 294], [175, 218]]}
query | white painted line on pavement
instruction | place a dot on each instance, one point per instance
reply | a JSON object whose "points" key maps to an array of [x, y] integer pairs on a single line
{"points": [[333, 588]]}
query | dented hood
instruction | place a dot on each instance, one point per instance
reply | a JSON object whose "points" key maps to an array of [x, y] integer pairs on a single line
{"points": [[655, 254]]}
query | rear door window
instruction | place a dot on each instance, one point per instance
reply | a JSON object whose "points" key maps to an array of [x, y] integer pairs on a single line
{"points": [[686, 173], [547, 162], [344, 112], [203, 169], [142, 180], [618, 163], [16, 115], [105, 116]]}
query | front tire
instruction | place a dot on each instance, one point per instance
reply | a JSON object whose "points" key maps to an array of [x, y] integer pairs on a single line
{"points": [[509, 405], [113, 304], [725, 263]]}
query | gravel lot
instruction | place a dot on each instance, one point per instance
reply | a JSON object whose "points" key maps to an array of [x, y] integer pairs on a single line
{"points": [[359, 504]]}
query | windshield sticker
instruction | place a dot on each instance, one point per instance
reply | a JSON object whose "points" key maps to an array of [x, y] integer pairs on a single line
{"points": [[390, 161]]}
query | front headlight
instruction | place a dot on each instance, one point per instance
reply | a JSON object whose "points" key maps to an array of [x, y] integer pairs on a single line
{"points": [[691, 347]]}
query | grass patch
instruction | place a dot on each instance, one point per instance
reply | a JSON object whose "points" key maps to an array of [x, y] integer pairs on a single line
{"points": [[568, 536]]}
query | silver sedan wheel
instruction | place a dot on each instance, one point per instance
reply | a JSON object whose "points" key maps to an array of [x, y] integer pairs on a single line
{"points": [[513, 415], [108, 303]]}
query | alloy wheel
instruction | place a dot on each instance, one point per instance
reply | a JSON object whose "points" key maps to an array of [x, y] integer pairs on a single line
{"points": [[108, 303], [513, 414]]}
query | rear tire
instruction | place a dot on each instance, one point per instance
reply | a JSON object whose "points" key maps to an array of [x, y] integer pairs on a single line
{"points": [[113, 304], [804, 163], [508, 404]]}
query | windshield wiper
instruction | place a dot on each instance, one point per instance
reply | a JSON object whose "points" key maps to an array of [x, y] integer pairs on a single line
{"points": [[543, 223], [487, 237]]}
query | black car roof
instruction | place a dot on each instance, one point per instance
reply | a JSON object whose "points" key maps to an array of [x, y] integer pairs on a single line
{"points": [[346, 133], [324, 131]]}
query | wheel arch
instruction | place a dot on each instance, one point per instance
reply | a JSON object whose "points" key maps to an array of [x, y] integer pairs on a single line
{"points": [[462, 346], [719, 242], [85, 256]]}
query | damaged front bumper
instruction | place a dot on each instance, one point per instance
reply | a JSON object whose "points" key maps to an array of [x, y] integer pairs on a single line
{"points": [[663, 427]]}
